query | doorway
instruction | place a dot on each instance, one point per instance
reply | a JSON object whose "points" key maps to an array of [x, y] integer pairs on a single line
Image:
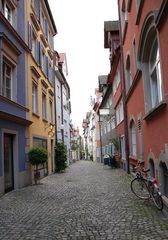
{"points": [[8, 162]]}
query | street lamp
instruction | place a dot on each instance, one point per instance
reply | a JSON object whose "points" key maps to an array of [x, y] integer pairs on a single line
{"points": [[51, 131]]}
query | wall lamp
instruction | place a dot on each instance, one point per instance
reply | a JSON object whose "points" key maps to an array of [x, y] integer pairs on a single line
{"points": [[50, 128]]}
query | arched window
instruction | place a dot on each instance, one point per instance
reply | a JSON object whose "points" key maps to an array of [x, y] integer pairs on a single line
{"points": [[140, 138], [164, 178], [149, 58], [128, 73], [152, 168], [132, 139], [155, 74]]}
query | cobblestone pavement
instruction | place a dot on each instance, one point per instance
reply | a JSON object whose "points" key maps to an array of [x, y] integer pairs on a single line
{"points": [[88, 201]]}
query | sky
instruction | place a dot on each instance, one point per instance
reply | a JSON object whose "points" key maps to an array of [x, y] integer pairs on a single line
{"points": [[80, 26]]}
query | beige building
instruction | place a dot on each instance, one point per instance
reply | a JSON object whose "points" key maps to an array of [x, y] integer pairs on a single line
{"points": [[41, 30]]}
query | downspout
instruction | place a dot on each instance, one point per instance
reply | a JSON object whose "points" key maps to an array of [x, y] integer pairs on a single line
{"points": [[100, 140], [62, 115], [55, 112], [124, 94]]}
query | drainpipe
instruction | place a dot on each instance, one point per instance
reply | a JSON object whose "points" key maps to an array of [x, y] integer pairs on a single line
{"points": [[101, 158], [124, 94], [55, 112], [62, 115]]}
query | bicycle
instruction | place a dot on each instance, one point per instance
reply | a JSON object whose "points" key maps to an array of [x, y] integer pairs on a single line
{"points": [[145, 187]]}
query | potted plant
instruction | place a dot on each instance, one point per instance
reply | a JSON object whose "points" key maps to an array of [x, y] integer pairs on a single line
{"points": [[60, 157], [37, 156]]}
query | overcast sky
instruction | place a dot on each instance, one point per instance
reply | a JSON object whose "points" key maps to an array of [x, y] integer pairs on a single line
{"points": [[80, 26]]}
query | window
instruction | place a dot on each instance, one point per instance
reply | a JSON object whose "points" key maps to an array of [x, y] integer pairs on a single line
{"points": [[44, 106], [128, 73], [51, 111], [122, 147], [34, 45], [119, 112], [132, 139], [116, 81], [8, 12], [41, 143], [43, 62], [34, 99], [7, 81], [123, 18], [149, 57], [155, 75], [152, 168], [140, 138], [35, 5], [117, 77]]}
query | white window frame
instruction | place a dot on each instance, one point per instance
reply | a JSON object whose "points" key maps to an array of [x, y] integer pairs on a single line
{"points": [[119, 112], [132, 138], [51, 110], [122, 147], [34, 98], [11, 78], [44, 106], [155, 83], [7, 80], [8, 12]]}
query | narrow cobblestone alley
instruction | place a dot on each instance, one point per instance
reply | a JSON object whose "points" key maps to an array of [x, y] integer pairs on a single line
{"points": [[89, 201]]}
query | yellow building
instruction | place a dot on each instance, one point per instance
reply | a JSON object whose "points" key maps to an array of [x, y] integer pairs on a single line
{"points": [[41, 30]]}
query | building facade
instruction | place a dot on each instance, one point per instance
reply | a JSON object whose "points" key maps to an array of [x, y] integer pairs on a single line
{"points": [[14, 107], [41, 30], [143, 26], [62, 104]]}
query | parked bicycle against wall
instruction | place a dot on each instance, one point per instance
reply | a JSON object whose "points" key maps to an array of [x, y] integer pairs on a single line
{"points": [[145, 187]]}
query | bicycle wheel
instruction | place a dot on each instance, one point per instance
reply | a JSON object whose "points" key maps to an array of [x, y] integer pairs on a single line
{"points": [[157, 199], [139, 188]]}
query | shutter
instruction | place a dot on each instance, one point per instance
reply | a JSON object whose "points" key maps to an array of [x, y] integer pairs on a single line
{"points": [[46, 29], [37, 55], [40, 54], [40, 12], [47, 67], [29, 35]]}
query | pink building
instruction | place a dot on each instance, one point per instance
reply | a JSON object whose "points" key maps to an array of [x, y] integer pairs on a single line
{"points": [[144, 40]]}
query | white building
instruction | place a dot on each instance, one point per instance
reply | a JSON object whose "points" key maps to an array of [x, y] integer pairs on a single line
{"points": [[63, 106]]}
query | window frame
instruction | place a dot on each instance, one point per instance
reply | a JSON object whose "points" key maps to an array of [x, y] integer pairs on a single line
{"points": [[155, 83], [13, 82], [44, 106], [34, 98], [128, 73], [133, 144]]}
